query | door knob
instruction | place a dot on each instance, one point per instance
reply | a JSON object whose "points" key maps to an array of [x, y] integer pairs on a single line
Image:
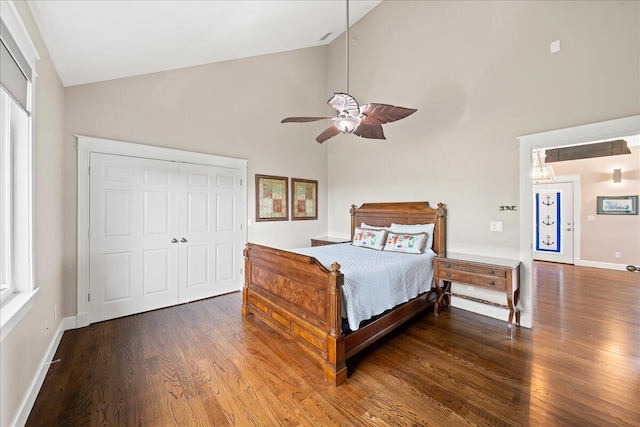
{"points": [[183, 240], [174, 240], [568, 229]]}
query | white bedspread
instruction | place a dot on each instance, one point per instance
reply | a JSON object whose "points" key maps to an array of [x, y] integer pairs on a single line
{"points": [[375, 281]]}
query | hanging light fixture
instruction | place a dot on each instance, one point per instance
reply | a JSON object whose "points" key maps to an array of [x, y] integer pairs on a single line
{"points": [[362, 120], [541, 171]]}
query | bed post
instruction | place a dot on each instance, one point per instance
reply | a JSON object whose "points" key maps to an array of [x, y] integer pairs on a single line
{"points": [[440, 245], [352, 211], [247, 280], [335, 368]]}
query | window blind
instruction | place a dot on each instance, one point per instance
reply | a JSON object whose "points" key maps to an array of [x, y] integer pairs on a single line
{"points": [[15, 71]]}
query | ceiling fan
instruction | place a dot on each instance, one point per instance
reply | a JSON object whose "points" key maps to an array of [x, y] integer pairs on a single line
{"points": [[363, 120]]}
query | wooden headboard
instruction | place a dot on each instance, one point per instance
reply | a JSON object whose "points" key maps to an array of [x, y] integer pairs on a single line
{"points": [[383, 214]]}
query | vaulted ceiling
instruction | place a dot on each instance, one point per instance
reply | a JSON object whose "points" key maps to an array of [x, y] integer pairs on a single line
{"points": [[91, 41]]}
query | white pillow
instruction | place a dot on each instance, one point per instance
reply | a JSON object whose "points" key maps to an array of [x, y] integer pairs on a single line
{"points": [[405, 242], [374, 239], [414, 229]]}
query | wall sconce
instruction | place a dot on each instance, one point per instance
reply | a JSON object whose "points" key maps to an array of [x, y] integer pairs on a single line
{"points": [[617, 175]]}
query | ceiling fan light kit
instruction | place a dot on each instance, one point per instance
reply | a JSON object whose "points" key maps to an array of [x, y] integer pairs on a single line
{"points": [[365, 121], [347, 124]]}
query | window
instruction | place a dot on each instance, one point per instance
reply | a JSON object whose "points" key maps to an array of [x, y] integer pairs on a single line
{"points": [[14, 137], [5, 198], [17, 61]]}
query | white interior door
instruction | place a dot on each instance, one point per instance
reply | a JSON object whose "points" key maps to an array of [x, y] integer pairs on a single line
{"points": [[210, 231], [133, 218], [161, 233], [553, 229]]}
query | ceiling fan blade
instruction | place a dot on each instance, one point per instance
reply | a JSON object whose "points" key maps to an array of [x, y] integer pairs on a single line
{"points": [[384, 113], [304, 119], [369, 131], [329, 132], [345, 102]]}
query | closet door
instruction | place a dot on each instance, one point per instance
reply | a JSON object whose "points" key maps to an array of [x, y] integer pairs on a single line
{"points": [[133, 220], [210, 231]]}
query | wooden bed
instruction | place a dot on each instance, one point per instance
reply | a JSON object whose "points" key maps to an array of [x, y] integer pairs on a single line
{"points": [[301, 298]]}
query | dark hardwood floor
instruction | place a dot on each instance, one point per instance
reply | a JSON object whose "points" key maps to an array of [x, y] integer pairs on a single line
{"points": [[203, 364]]}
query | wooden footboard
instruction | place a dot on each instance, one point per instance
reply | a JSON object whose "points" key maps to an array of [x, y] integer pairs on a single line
{"points": [[300, 297]]}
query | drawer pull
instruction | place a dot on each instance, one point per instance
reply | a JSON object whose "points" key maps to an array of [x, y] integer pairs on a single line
{"points": [[448, 274], [447, 265], [491, 283], [491, 272]]}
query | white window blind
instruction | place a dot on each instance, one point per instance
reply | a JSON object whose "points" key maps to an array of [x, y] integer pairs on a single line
{"points": [[14, 69]]}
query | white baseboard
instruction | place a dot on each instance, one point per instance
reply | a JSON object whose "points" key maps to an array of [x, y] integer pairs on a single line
{"points": [[29, 399], [82, 319], [597, 264]]}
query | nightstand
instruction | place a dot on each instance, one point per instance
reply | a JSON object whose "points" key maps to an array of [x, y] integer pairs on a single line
{"points": [[322, 241], [498, 274]]}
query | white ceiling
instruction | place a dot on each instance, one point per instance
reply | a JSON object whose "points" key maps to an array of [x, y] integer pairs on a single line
{"points": [[91, 41]]}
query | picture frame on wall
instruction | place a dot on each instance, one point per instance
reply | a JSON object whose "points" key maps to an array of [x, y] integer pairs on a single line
{"points": [[272, 198], [304, 199], [617, 205]]}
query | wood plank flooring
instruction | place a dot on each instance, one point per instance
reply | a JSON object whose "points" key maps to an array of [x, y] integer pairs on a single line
{"points": [[203, 364]]}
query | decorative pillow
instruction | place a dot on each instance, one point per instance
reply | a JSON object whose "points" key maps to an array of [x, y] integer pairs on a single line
{"points": [[405, 242], [373, 239], [414, 229]]}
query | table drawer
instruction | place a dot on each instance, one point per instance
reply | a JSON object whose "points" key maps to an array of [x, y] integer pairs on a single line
{"points": [[496, 283], [498, 274], [473, 268]]}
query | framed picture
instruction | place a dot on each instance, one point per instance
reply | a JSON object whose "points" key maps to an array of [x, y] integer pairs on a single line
{"points": [[271, 198], [304, 199], [618, 205]]}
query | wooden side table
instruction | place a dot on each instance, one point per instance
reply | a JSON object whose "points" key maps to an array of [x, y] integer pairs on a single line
{"points": [[497, 274], [328, 240]]}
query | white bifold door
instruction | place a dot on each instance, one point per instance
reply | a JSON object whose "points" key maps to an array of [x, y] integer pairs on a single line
{"points": [[161, 233]]}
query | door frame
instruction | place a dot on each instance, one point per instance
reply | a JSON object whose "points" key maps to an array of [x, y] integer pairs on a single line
{"points": [[593, 132], [87, 145]]}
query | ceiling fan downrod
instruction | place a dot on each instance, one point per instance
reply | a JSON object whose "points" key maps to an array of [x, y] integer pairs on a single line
{"points": [[347, 49]]}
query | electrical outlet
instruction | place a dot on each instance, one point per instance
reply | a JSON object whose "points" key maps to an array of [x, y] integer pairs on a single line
{"points": [[617, 255], [495, 225]]}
